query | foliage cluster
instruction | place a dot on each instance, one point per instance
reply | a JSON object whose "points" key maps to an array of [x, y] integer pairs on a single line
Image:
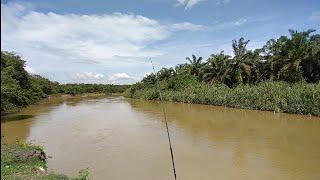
{"points": [[15, 166], [19, 88], [281, 76], [90, 88]]}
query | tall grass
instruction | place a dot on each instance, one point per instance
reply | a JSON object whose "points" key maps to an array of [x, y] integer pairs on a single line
{"points": [[299, 98]]}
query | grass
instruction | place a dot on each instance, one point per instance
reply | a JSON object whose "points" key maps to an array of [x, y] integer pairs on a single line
{"points": [[298, 98], [28, 161]]}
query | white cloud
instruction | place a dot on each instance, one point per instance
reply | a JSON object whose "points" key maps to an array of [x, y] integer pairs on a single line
{"points": [[240, 22], [229, 24], [30, 70], [315, 16], [90, 37], [87, 76], [188, 3], [147, 74], [224, 1], [187, 26], [93, 77], [121, 78], [70, 43], [118, 76]]}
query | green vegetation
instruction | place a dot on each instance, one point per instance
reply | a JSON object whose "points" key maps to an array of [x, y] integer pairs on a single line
{"points": [[91, 88], [19, 89], [282, 76], [28, 161]]}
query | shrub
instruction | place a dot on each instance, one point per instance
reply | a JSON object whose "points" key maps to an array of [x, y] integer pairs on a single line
{"points": [[299, 98]]}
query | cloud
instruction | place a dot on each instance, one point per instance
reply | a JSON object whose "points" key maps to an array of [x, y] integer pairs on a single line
{"points": [[229, 24], [70, 43], [315, 16], [30, 70], [188, 3], [147, 74], [219, 2], [93, 77], [240, 22], [87, 76], [187, 26], [89, 37], [121, 78]]}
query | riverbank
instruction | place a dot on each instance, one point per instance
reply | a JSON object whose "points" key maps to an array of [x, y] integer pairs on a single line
{"points": [[20, 89], [83, 95], [58, 98], [28, 161], [297, 98]]}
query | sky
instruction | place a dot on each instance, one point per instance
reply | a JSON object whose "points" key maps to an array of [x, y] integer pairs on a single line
{"points": [[112, 41]]}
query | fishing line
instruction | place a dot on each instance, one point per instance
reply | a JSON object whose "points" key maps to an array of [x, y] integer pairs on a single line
{"points": [[165, 119]]}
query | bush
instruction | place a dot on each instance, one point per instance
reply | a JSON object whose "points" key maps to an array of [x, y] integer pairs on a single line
{"points": [[299, 98], [28, 161]]}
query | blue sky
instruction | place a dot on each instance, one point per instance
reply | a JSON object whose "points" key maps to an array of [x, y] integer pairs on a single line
{"points": [[110, 41]]}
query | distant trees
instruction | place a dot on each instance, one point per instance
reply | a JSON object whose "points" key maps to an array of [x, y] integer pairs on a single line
{"points": [[217, 68], [282, 76], [296, 58], [90, 88], [18, 88], [292, 59]]}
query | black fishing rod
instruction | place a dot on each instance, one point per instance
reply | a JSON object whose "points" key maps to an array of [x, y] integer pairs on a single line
{"points": [[165, 119]]}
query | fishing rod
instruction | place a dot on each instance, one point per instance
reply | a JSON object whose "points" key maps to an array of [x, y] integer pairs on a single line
{"points": [[166, 122]]}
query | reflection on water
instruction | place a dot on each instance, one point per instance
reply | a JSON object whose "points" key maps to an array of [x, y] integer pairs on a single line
{"points": [[125, 139], [17, 117]]}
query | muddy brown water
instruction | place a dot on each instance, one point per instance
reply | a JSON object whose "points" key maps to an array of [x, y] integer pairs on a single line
{"points": [[118, 138]]}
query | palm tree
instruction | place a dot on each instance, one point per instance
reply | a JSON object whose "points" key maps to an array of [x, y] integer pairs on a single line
{"points": [[165, 73], [217, 68], [260, 67], [182, 69], [150, 79], [195, 65], [290, 58], [241, 71], [311, 65]]}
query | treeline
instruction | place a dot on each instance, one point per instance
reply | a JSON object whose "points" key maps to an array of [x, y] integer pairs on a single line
{"points": [[19, 88], [91, 88], [283, 67]]}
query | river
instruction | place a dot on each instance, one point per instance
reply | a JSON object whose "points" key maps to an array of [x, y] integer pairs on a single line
{"points": [[118, 138]]}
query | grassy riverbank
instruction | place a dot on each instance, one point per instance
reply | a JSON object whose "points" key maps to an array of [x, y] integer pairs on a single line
{"points": [[299, 98], [28, 161]]}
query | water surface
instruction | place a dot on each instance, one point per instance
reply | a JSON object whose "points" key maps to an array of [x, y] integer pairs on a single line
{"points": [[118, 138]]}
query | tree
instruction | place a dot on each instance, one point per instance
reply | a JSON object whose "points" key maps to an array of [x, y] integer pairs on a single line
{"points": [[311, 64], [296, 58], [217, 68], [195, 66], [9, 59], [241, 70], [150, 79], [165, 73]]}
